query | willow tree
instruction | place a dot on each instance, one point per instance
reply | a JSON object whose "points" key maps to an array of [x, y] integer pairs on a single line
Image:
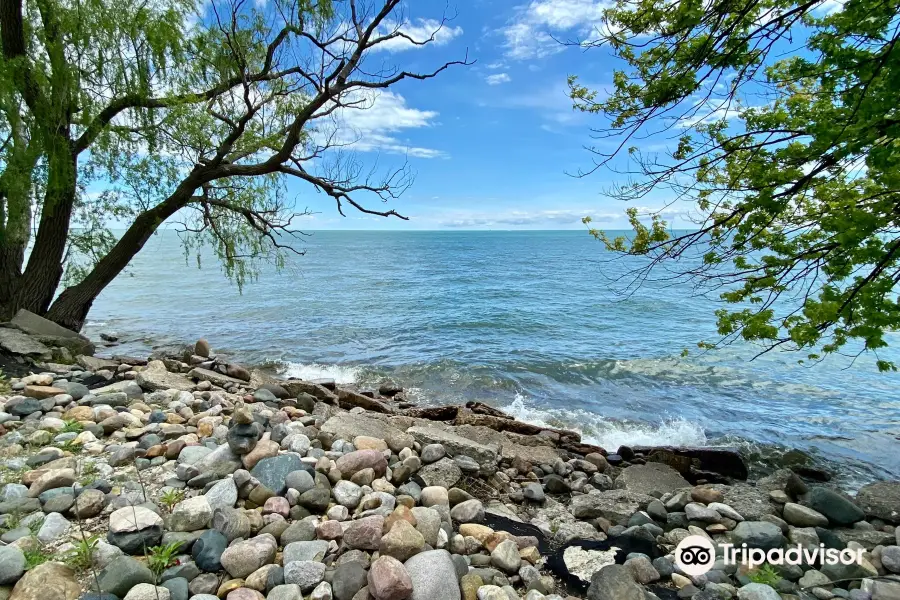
{"points": [[116, 112], [781, 119]]}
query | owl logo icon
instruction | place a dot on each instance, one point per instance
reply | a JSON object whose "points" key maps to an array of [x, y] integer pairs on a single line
{"points": [[695, 555]]}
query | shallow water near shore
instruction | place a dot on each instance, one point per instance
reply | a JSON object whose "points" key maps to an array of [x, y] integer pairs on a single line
{"points": [[524, 321]]}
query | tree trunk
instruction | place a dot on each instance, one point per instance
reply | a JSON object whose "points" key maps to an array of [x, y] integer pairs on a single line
{"points": [[71, 307], [11, 257]]}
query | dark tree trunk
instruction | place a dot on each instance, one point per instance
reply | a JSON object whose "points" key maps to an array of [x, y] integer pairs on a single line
{"points": [[11, 257], [71, 307]]}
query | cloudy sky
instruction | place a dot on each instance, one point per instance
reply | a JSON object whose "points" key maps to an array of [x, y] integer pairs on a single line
{"points": [[493, 145]]}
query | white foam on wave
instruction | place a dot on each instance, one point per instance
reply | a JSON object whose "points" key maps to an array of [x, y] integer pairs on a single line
{"points": [[610, 434], [340, 373]]}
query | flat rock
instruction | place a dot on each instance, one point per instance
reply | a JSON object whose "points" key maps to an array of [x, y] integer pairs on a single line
{"points": [[443, 473], [456, 444], [347, 426], [155, 377], [650, 478], [17, 342], [218, 463], [881, 500], [214, 378], [616, 506], [133, 518]]}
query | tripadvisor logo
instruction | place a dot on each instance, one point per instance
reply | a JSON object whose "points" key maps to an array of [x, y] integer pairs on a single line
{"points": [[695, 555]]}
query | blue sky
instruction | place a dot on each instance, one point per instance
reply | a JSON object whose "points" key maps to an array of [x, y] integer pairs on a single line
{"points": [[492, 145]]}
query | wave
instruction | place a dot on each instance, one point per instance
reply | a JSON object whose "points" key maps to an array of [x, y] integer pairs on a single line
{"points": [[340, 373], [608, 433]]}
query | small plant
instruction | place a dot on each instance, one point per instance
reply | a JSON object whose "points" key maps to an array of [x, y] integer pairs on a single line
{"points": [[71, 446], [766, 575], [89, 473], [4, 384], [162, 557], [171, 497], [72, 426], [12, 521], [34, 558], [35, 525], [11, 475], [80, 557]]}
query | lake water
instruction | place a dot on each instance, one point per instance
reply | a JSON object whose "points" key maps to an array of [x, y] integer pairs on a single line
{"points": [[525, 321]]}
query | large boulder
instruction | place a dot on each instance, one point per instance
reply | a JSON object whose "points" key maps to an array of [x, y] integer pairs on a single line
{"points": [[18, 342], [433, 576], [614, 582], [881, 500], [650, 478], [616, 506], [220, 462], [155, 377], [48, 581], [839, 509], [272, 472], [456, 444], [347, 426], [51, 333]]}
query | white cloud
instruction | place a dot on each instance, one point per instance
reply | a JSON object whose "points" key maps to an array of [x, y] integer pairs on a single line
{"points": [[498, 78], [420, 30], [533, 29], [375, 121], [566, 218], [495, 65]]}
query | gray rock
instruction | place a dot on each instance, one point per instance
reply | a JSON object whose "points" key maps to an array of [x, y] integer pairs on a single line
{"points": [[53, 528], [348, 579], [757, 591], [191, 514], [534, 492], [289, 591], [305, 551], [223, 494], [758, 534], [12, 564], [881, 500], [429, 572], [505, 556], [147, 591], [650, 478], [122, 574], [432, 453], [456, 444], [242, 558], [347, 493], [298, 531], [443, 473], [307, 574], [218, 463], [347, 426], [207, 550], [302, 481], [470, 511], [890, 558], [838, 509], [617, 506], [273, 471], [614, 582], [803, 516], [191, 454], [178, 588], [155, 377]]}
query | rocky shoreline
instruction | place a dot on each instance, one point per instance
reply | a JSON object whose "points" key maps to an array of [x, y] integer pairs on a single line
{"points": [[190, 477]]}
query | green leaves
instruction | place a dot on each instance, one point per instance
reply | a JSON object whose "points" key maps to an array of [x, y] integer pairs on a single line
{"points": [[797, 193]]}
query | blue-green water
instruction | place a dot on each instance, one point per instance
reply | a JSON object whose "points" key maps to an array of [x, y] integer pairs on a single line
{"points": [[523, 320]]}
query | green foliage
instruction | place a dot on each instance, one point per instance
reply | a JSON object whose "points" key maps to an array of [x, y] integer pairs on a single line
{"points": [[766, 575], [89, 473], [4, 384], [35, 525], [787, 147], [12, 521], [37, 557], [171, 497], [162, 557], [81, 556], [71, 446], [72, 426]]}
